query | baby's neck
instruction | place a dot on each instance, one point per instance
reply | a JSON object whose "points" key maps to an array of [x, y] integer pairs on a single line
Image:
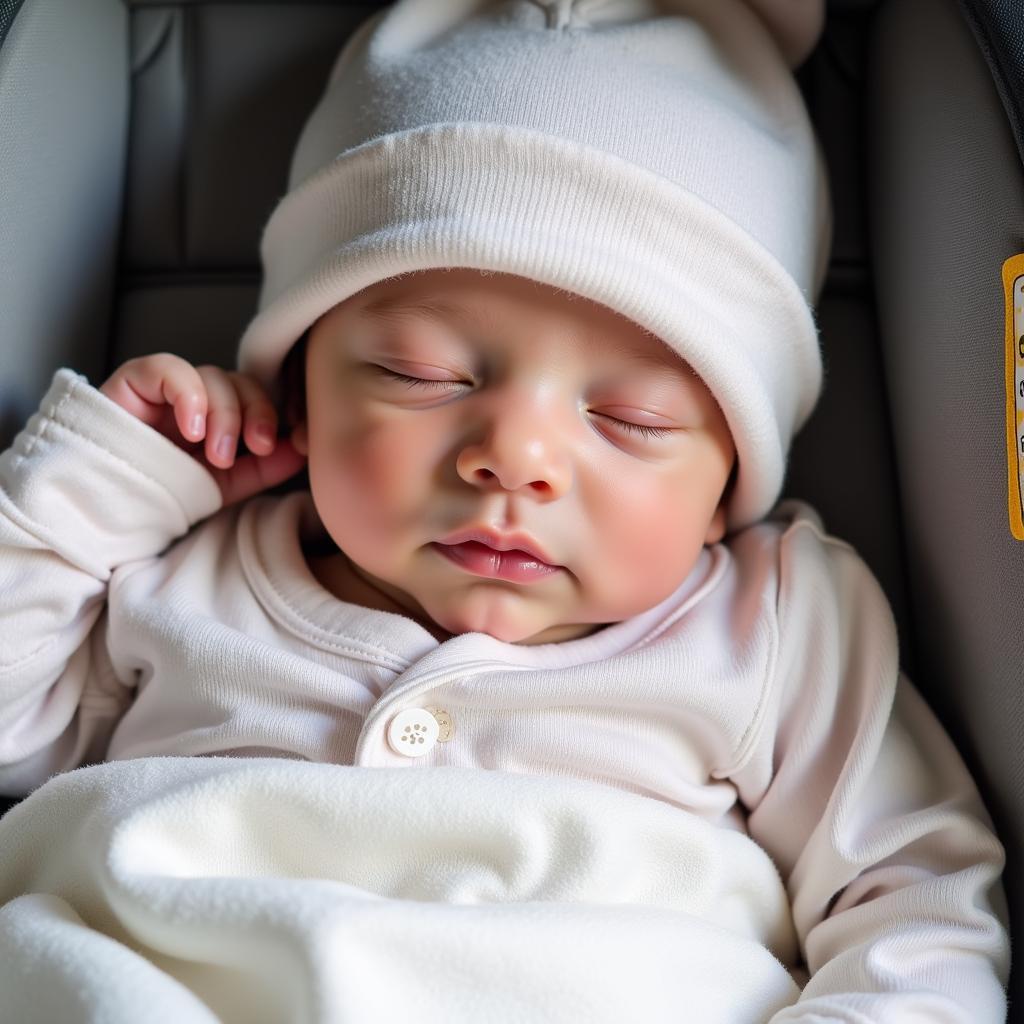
{"points": [[336, 574]]}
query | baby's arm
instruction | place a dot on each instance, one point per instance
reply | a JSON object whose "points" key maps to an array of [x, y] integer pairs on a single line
{"points": [[877, 829], [90, 484]]}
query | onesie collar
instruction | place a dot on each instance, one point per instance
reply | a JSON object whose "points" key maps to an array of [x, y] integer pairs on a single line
{"points": [[272, 529]]}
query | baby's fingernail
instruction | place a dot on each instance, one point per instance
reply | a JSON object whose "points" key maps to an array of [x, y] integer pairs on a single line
{"points": [[226, 446], [263, 433], [196, 426]]}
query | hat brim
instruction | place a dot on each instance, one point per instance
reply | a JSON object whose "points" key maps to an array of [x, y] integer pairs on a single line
{"points": [[515, 200]]}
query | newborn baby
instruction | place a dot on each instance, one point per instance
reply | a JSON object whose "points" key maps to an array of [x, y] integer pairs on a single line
{"points": [[538, 310]]}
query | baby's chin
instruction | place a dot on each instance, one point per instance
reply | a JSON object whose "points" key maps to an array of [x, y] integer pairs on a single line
{"points": [[485, 608], [513, 629], [562, 634]]}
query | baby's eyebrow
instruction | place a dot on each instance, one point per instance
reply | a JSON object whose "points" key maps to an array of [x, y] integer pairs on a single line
{"points": [[667, 361], [395, 308], [389, 307]]}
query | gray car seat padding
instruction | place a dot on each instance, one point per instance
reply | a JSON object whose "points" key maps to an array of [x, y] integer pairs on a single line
{"points": [[63, 136], [8, 12], [998, 27], [946, 198]]}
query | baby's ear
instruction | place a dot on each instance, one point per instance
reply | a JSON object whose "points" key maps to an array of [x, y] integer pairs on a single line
{"points": [[300, 438], [291, 386], [716, 530]]}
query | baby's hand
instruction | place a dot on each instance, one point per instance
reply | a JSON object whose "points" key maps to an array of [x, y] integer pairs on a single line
{"points": [[188, 404]]}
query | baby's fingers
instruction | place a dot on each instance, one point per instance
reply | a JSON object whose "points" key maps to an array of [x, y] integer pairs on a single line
{"points": [[223, 418], [255, 473], [259, 417], [147, 385]]}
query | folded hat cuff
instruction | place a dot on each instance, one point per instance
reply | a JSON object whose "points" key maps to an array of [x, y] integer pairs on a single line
{"points": [[515, 200]]}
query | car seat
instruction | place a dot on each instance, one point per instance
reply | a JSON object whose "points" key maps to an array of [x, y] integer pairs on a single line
{"points": [[143, 144]]}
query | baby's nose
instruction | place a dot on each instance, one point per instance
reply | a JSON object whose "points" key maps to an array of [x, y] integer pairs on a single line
{"points": [[519, 453]]}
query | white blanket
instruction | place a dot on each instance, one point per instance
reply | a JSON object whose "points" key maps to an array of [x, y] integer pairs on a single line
{"points": [[195, 890]]}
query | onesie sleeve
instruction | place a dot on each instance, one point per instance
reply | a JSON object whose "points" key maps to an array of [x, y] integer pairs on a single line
{"points": [[84, 488], [854, 788]]}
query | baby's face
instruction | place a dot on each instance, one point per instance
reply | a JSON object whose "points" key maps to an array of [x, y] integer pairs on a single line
{"points": [[525, 428]]}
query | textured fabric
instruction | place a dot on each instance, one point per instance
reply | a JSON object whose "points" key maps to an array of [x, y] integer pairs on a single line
{"points": [[662, 164], [998, 26], [64, 84], [8, 12], [195, 890], [763, 698], [946, 187]]}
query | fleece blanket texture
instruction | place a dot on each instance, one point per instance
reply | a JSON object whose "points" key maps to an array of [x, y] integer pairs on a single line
{"points": [[195, 890]]}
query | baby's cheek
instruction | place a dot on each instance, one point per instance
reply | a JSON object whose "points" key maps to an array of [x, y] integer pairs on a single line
{"points": [[380, 468], [654, 545], [384, 463], [650, 546]]}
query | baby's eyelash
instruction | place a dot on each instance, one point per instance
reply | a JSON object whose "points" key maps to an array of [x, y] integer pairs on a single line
{"points": [[642, 428], [415, 381], [637, 428]]}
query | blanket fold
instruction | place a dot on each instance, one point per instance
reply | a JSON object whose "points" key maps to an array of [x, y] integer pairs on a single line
{"points": [[229, 889]]}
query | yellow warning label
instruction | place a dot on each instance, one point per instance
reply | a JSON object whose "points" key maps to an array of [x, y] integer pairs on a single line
{"points": [[1013, 290]]}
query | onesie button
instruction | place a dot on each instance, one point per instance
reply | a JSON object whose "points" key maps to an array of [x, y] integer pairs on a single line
{"points": [[445, 728], [413, 732]]}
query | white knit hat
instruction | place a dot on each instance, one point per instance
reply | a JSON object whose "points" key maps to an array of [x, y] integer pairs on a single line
{"points": [[655, 156]]}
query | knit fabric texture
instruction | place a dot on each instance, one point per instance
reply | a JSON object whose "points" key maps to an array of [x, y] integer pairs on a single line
{"points": [[654, 157]]}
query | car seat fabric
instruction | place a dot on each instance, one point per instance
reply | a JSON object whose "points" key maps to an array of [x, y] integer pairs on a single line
{"points": [[946, 209], [219, 95], [998, 27], [143, 144], [8, 9], [63, 133]]}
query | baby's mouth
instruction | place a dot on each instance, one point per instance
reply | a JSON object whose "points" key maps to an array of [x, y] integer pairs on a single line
{"points": [[514, 566]]}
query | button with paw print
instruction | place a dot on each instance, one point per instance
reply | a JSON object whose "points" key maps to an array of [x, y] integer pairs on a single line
{"points": [[413, 732]]}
